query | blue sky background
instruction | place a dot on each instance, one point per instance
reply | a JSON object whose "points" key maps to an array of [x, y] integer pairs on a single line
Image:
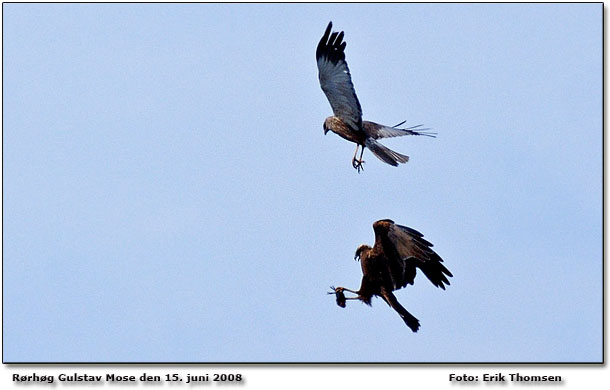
{"points": [[169, 194]]}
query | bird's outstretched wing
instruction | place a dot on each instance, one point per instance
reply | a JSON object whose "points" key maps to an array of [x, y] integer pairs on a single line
{"points": [[406, 250], [376, 131], [335, 79]]}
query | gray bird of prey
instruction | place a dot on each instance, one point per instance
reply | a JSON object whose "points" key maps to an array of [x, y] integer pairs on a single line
{"points": [[391, 264], [336, 82]]}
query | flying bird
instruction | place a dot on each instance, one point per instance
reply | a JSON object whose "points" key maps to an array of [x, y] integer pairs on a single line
{"points": [[336, 82], [391, 264]]}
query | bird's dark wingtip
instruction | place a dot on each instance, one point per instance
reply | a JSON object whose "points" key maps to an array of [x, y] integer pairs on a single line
{"points": [[331, 45], [327, 32]]}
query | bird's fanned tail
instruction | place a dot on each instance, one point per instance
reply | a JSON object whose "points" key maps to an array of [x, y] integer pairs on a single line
{"points": [[385, 154]]}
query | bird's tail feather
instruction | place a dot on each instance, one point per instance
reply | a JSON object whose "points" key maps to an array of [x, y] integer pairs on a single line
{"points": [[386, 155]]}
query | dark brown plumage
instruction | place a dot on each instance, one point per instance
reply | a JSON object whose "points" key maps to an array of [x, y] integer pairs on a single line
{"points": [[392, 264], [336, 82]]}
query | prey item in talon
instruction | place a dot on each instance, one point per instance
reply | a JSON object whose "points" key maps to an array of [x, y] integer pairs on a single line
{"points": [[392, 263], [340, 296]]}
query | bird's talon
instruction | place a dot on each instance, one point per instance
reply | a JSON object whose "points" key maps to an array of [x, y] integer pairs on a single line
{"points": [[358, 165]]}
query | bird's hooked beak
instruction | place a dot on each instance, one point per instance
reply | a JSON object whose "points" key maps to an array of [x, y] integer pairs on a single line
{"points": [[325, 128], [359, 251]]}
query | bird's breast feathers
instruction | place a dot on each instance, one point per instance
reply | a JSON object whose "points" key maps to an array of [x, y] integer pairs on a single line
{"points": [[338, 126]]}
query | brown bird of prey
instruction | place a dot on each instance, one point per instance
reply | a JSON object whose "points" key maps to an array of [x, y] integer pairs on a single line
{"points": [[391, 264], [336, 82]]}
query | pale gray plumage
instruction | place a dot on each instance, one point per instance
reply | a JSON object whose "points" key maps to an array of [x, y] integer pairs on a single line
{"points": [[375, 130], [336, 82], [335, 79]]}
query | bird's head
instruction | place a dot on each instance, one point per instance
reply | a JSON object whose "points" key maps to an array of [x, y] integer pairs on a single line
{"points": [[327, 125], [359, 251]]}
